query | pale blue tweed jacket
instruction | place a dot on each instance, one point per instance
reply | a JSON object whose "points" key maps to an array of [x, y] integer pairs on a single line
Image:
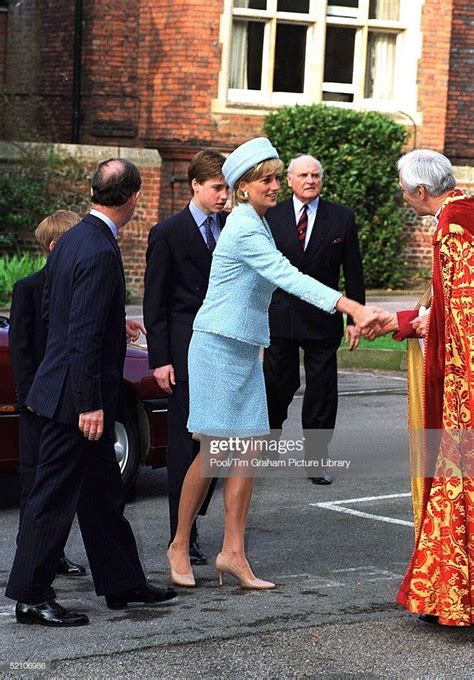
{"points": [[246, 268]]}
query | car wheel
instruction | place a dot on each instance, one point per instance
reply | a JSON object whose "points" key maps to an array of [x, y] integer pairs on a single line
{"points": [[131, 442]]}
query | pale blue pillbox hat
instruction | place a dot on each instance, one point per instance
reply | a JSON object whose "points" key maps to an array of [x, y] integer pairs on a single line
{"points": [[245, 157]]}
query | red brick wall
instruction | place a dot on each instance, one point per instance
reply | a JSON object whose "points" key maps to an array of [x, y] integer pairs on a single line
{"points": [[150, 74], [183, 63], [134, 237], [151, 67], [21, 71], [111, 98], [460, 120], [433, 72], [56, 36]]}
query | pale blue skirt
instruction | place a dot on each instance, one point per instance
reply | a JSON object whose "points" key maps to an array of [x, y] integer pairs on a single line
{"points": [[226, 387]]}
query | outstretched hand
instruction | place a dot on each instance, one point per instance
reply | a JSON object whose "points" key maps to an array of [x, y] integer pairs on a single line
{"points": [[387, 324], [370, 319]]}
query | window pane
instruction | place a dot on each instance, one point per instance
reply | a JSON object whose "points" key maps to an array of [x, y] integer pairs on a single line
{"points": [[380, 65], [251, 4], [344, 3], [337, 97], [290, 48], [246, 55], [343, 8], [297, 6], [384, 9], [339, 57]]}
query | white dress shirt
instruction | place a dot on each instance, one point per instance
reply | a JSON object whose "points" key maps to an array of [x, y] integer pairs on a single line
{"points": [[200, 217], [107, 220]]}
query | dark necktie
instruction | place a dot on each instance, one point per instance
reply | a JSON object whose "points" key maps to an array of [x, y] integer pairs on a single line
{"points": [[210, 240], [302, 226]]}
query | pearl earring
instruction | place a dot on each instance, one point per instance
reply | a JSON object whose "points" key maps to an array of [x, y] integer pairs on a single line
{"points": [[246, 194]]}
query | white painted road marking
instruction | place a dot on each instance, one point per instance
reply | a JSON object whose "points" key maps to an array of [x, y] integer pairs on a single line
{"points": [[337, 507], [345, 578]]}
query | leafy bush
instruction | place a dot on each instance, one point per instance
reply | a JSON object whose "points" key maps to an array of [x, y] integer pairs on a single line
{"points": [[12, 269], [358, 152], [34, 187], [23, 204]]}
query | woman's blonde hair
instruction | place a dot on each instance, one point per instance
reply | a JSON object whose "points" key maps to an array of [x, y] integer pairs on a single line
{"points": [[54, 226], [268, 167]]}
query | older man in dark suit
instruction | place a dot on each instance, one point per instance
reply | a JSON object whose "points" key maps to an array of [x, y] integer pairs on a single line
{"points": [[320, 238], [177, 274], [76, 390]]}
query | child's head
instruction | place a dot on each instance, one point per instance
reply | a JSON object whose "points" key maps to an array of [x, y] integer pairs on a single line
{"points": [[52, 227]]}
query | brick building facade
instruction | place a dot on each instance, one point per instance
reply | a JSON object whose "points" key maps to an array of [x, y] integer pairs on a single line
{"points": [[172, 75]]}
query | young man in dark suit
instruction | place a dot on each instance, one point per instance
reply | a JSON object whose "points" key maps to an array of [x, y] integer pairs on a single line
{"points": [[27, 343], [319, 237], [177, 274], [76, 390]]}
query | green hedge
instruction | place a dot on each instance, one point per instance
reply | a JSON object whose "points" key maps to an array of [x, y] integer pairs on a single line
{"points": [[14, 268], [358, 152], [35, 186]]}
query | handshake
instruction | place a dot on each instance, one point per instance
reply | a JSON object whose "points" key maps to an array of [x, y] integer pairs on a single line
{"points": [[372, 322]]}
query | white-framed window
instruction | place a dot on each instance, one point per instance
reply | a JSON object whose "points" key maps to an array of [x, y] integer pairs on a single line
{"points": [[356, 53]]}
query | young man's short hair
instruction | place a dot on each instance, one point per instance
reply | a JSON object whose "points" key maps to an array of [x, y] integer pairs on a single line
{"points": [[54, 226], [205, 165]]}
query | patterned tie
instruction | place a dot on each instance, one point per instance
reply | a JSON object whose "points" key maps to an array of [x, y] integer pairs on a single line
{"points": [[302, 226], [210, 240]]}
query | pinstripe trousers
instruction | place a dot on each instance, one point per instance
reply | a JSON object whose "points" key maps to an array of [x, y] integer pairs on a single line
{"points": [[74, 475]]}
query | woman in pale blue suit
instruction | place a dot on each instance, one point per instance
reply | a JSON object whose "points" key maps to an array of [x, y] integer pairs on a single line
{"points": [[227, 390]]}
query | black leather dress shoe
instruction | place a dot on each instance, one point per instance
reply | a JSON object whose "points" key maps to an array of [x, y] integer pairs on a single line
{"points": [[323, 480], [49, 613], [196, 555], [68, 568], [428, 618], [146, 594]]}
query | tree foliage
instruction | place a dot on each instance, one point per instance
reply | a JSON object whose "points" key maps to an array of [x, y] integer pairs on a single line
{"points": [[358, 152], [33, 187]]}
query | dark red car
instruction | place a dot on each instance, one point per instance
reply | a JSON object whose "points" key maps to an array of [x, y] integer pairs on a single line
{"points": [[141, 438]]}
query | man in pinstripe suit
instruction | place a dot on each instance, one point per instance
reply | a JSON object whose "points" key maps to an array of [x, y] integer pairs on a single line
{"points": [[76, 390]]}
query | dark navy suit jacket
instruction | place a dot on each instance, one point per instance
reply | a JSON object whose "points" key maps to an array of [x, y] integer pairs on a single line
{"points": [[27, 331], [84, 305], [176, 280], [332, 247]]}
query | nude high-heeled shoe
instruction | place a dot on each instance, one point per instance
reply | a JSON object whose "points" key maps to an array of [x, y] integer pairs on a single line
{"points": [[185, 580], [225, 566]]}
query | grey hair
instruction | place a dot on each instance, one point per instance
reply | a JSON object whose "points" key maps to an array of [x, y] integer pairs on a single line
{"points": [[427, 168], [306, 156]]}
